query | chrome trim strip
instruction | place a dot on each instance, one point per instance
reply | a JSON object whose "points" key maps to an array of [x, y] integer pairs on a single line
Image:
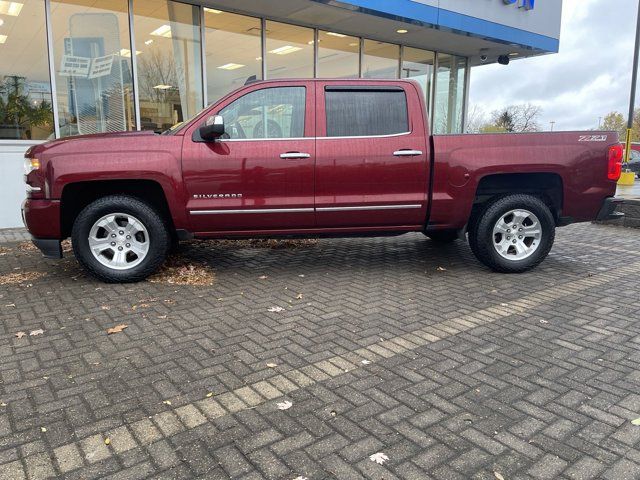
{"points": [[366, 136], [52, 68], [134, 66], [367, 207], [259, 210], [31, 189]]}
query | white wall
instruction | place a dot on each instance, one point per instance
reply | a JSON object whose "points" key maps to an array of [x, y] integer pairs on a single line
{"points": [[12, 189]]}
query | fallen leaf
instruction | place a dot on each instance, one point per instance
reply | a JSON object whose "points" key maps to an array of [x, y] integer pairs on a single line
{"points": [[498, 476], [3, 404], [286, 405], [43, 430], [365, 362], [301, 478], [107, 441], [117, 329], [636, 422], [262, 277], [544, 322], [441, 269], [275, 309], [10, 305], [210, 394], [299, 297], [504, 304], [20, 278], [272, 365], [21, 334], [380, 458], [167, 402], [180, 271], [35, 333]]}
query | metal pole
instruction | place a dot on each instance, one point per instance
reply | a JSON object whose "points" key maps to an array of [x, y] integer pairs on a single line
{"points": [[634, 81]]}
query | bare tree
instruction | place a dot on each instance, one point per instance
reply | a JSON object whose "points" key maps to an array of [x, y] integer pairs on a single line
{"points": [[514, 118], [476, 119]]}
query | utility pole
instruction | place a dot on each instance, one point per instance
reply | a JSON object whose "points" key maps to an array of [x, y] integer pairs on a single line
{"points": [[634, 81], [599, 123], [553, 124]]}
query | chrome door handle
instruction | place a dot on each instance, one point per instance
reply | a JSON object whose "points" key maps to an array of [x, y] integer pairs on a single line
{"points": [[294, 155], [407, 153]]}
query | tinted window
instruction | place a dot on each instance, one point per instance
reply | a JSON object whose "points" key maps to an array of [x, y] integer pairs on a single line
{"points": [[353, 113], [281, 109]]}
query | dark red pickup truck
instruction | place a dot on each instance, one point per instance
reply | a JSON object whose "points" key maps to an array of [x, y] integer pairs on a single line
{"points": [[313, 158]]}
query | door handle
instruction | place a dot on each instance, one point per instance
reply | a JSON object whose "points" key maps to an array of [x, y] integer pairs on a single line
{"points": [[407, 153], [294, 155]]}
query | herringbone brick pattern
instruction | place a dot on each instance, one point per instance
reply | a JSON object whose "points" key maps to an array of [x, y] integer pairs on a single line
{"points": [[394, 346]]}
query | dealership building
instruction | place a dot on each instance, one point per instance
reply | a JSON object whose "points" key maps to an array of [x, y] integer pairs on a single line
{"points": [[70, 67]]}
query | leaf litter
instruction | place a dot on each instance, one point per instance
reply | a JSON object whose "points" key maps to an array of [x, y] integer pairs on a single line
{"points": [[20, 278], [178, 270]]}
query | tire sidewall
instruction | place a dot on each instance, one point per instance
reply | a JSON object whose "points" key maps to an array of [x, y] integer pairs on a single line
{"points": [[159, 240], [484, 245]]}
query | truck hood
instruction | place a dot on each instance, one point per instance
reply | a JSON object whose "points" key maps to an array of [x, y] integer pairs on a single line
{"points": [[43, 147]]}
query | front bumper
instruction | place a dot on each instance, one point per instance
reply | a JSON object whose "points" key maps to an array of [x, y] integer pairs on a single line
{"points": [[608, 210], [42, 219]]}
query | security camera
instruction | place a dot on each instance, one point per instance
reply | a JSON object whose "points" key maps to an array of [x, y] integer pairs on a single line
{"points": [[504, 59], [483, 58]]}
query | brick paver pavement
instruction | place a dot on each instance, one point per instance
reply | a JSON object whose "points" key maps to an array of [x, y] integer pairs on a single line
{"points": [[392, 346]]}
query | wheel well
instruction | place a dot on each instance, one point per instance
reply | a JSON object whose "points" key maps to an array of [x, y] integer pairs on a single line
{"points": [[76, 196], [546, 186]]}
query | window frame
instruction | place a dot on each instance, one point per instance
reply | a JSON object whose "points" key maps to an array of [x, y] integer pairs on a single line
{"points": [[370, 88]]}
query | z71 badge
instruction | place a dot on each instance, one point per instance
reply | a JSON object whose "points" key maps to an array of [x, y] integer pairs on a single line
{"points": [[592, 138]]}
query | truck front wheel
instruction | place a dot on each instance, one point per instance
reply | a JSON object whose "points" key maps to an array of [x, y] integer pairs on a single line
{"points": [[120, 239], [513, 234]]}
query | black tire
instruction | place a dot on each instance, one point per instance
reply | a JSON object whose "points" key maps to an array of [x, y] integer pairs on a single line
{"points": [[481, 238], [159, 238], [443, 236]]}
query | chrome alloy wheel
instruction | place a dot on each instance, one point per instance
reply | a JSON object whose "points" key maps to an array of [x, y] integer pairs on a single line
{"points": [[119, 241], [517, 235]]}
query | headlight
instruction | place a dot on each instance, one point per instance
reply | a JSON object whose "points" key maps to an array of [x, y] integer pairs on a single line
{"points": [[30, 165]]}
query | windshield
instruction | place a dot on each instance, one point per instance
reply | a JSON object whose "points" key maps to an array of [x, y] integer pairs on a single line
{"points": [[180, 125]]}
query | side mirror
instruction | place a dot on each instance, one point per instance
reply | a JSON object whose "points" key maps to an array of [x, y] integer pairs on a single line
{"points": [[213, 129]]}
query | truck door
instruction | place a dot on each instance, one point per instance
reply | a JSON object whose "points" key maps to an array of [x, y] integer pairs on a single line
{"points": [[372, 155], [259, 176]]}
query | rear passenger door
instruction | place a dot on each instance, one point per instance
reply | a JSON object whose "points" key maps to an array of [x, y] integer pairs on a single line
{"points": [[371, 155]]}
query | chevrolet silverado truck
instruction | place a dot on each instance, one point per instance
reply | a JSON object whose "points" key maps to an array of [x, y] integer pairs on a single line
{"points": [[303, 158]]}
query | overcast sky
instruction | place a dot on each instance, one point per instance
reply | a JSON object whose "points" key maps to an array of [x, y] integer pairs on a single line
{"points": [[590, 77]]}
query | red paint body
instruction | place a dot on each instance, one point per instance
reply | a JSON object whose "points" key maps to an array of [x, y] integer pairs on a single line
{"points": [[441, 183]]}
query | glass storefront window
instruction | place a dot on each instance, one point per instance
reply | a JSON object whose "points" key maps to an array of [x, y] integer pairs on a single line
{"points": [[169, 64], [25, 87], [418, 65], [92, 59], [338, 55], [289, 51], [449, 94], [380, 60], [230, 68]]}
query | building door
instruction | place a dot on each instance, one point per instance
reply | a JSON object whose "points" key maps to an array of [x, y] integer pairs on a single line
{"points": [[372, 156], [260, 175]]}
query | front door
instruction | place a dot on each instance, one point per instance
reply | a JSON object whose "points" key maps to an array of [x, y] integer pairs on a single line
{"points": [[372, 155], [260, 175]]}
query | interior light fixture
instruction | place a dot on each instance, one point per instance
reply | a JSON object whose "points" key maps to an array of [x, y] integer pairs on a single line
{"points": [[212, 10], [10, 8], [162, 87], [163, 31], [148, 42], [354, 44], [125, 52], [402, 31], [286, 50], [3, 38], [334, 34], [231, 66]]}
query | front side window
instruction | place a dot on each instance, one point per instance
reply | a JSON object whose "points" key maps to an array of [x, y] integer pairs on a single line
{"points": [[267, 113], [365, 113]]}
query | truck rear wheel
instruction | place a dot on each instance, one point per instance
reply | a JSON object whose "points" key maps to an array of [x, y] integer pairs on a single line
{"points": [[120, 239], [513, 234]]}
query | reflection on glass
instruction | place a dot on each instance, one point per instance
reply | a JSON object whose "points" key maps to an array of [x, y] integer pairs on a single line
{"points": [[289, 51], [338, 55], [93, 66], [169, 63], [418, 65], [230, 68], [281, 109], [380, 60], [25, 87], [449, 94]]}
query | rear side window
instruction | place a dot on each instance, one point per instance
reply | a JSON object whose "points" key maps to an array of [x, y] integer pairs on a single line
{"points": [[365, 113]]}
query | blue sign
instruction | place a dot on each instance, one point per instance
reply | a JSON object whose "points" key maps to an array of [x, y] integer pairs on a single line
{"points": [[526, 4]]}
